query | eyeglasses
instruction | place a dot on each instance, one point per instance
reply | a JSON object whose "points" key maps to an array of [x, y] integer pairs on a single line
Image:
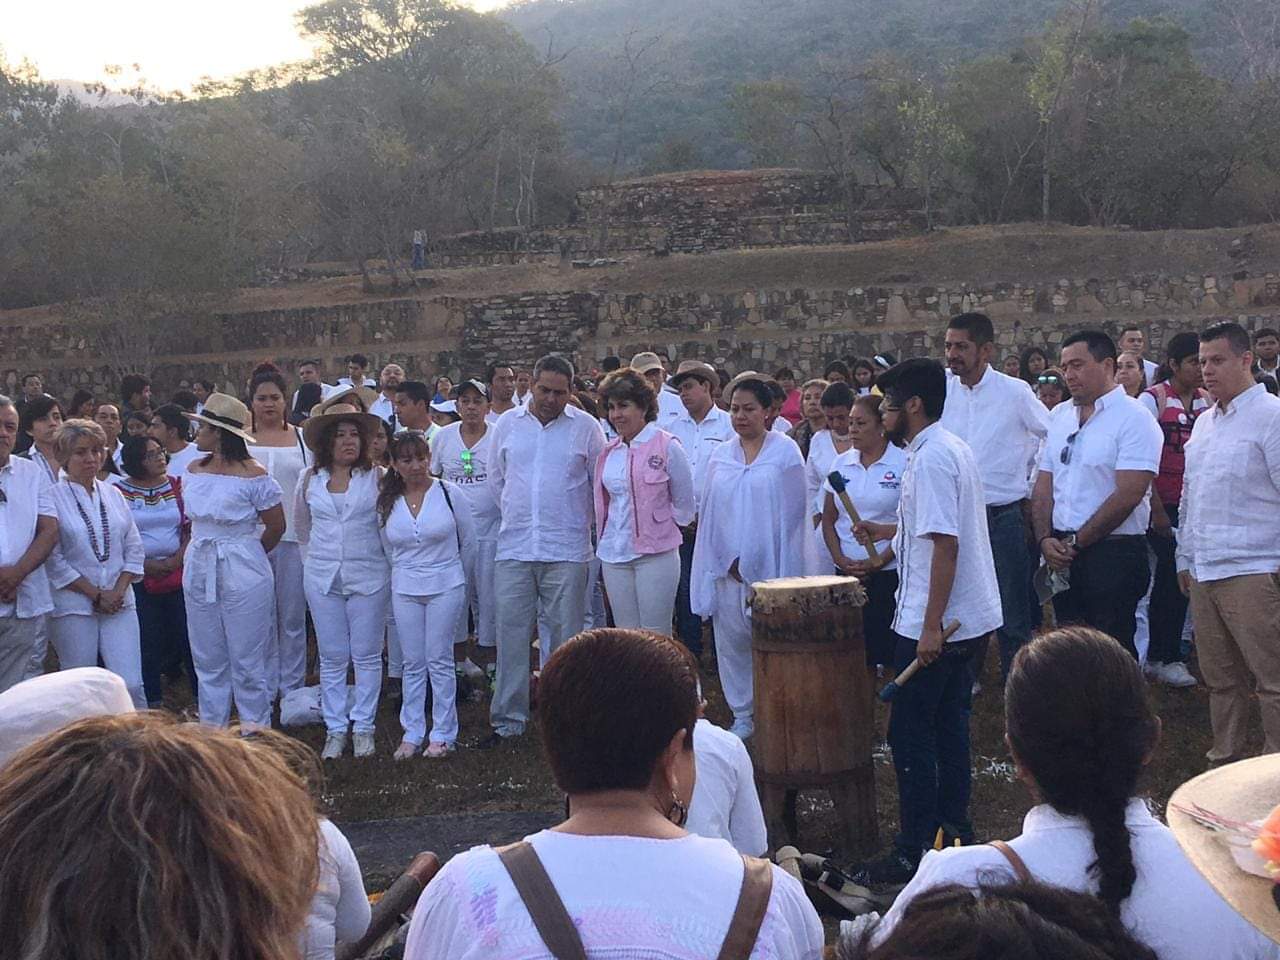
{"points": [[468, 465], [1065, 456], [156, 455]]}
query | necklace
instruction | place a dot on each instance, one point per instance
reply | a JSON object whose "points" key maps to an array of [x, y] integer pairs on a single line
{"points": [[105, 552]]}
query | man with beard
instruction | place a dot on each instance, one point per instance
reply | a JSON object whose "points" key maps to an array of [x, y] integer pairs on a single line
{"points": [[946, 577]]}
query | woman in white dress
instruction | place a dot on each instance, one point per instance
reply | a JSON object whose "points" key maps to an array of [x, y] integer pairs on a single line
{"points": [[98, 555], [280, 449], [347, 579], [429, 538], [236, 519], [754, 525]]}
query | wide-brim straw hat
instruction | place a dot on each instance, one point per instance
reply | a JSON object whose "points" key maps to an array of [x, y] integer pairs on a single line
{"points": [[362, 397], [226, 413], [1245, 792], [343, 406]]}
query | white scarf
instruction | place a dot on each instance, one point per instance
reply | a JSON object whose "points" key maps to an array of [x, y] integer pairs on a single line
{"points": [[754, 513]]}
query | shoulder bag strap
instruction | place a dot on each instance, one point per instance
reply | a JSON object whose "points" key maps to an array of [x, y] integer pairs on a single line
{"points": [[753, 901], [448, 500], [176, 483], [541, 900], [1019, 865]]}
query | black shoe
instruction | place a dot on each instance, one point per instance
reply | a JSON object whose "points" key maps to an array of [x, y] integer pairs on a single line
{"points": [[895, 868], [494, 739]]}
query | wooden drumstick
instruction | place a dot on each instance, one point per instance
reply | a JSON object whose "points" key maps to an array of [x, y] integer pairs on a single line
{"points": [[891, 688], [836, 480]]}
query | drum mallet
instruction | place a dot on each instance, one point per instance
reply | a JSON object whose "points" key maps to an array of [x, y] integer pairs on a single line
{"points": [[836, 480], [890, 689]]}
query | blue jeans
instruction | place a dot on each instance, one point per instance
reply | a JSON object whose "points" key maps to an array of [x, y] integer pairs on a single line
{"points": [[162, 628], [1008, 533], [688, 623], [929, 736]]}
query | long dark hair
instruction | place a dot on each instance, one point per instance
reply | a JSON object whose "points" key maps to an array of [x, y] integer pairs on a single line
{"points": [[391, 486], [1078, 720], [230, 446], [1024, 363]]}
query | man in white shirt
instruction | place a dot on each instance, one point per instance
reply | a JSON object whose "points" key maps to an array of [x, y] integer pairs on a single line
{"points": [[1132, 339], [1004, 424], [357, 373], [1091, 506], [385, 406], [1228, 553], [413, 408], [524, 388], [28, 532], [649, 365], [1266, 352], [700, 427], [502, 388], [725, 802], [170, 428], [543, 461], [946, 576]]}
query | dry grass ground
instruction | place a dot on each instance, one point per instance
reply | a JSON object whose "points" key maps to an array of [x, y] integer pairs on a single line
{"points": [[515, 777]]}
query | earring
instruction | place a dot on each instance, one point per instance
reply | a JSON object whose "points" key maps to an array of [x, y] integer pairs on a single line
{"points": [[677, 813]]}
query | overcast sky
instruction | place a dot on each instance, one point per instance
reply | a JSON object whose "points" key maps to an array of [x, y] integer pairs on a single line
{"points": [[175, 42]]}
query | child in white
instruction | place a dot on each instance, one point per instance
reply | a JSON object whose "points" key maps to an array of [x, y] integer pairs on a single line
{"points": [[429, 537]]}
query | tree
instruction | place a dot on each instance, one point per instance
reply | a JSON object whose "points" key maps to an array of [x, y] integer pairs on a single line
{"points": [[933, 139]]}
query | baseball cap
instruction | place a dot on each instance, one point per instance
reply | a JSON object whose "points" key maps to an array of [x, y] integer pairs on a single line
{"points": [[476, 385]]}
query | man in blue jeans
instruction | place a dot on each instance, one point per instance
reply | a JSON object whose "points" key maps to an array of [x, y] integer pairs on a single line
{"points": [[946, 578], [1004, 423]]}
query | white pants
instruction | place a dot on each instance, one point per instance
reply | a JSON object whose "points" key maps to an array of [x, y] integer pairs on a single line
{"points": [[81, 639], [733, 646], [286, 657], [231, 608], [426, 628], [39, 649], [642, 592], [480, 599], [596, 614], [395, 657], [1142, 615], [349, 632]]}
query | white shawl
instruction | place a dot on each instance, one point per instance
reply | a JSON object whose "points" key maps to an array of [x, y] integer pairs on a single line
{"points": [[754, 513]]}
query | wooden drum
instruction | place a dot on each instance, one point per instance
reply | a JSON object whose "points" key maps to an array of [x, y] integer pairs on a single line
{"points": [[814, 718]]}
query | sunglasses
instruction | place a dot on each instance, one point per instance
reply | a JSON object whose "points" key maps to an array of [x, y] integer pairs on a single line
{"points": [[468, 465], [1065, 456], [1050, 378]]}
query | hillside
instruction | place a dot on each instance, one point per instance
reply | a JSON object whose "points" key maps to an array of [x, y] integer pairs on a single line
{"points": [[691, 53]]}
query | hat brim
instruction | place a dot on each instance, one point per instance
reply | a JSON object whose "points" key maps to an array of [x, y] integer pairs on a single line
{"points": [[312, 427], [1244, 791], [702, 375], [245, 435]]}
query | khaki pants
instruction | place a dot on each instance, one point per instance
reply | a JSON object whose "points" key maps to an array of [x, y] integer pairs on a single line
{"points": [[1238, 641]]}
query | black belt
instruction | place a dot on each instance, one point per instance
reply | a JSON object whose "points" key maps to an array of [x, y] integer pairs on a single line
{"points": [[1114, 538]]}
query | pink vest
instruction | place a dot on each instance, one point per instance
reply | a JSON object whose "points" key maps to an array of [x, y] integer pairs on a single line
{"points": [[655, 528]]}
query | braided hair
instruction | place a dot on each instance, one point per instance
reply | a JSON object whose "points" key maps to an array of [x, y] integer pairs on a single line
{"points": [[1078, 720]]}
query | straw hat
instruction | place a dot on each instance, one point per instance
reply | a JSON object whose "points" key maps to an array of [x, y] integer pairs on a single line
{"points": [[1246, 792], [342, 406], [362, 397], [696, 368], [744, 375], [226, 413], [646, 361]]}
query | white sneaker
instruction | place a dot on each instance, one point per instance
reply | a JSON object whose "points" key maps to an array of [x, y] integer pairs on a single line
{"points": [[743, 729], [334, 746], [363, 744], [1176, 675], [1151, 669]]}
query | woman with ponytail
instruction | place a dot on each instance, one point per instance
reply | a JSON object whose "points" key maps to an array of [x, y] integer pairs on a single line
{"points": [[1081, 729]]}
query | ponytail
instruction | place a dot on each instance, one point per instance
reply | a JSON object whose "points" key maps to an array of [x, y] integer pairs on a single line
{"points": [[390, 489]]}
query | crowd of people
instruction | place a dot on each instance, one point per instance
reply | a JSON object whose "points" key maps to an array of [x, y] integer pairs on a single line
{"points": [[431, 530]]}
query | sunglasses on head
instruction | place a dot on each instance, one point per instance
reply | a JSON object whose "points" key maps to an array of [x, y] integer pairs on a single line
{"points": [[1049, 378]]}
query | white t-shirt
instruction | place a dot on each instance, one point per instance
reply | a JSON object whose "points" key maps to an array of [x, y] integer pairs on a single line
{"points": [[448, 461], [1172, 909], [874, 491], [725, 803], [631, 898], [340, 908], [942, 494], [178, 462]]}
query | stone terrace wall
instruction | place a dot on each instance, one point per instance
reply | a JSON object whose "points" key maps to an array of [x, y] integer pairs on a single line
{"points": [[695, 213]]}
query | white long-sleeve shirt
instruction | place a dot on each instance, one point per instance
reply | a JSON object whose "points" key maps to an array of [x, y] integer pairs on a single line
{"points": [[435, 551], [542, 477], [340, 908], [341, 534], [1003, 423], [617, 540], [73, 555], [700, 439], [1229, 517], [725, 803]]}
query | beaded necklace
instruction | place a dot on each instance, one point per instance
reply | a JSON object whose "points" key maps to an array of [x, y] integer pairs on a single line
{"points": [[105, 553]]}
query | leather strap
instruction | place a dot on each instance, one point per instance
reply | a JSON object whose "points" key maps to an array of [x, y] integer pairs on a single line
{"points": [[1019, 865], [753, 900], [541, 900]]}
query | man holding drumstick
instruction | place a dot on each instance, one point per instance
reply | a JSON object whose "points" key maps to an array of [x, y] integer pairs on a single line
{"points": [[946, 576]]}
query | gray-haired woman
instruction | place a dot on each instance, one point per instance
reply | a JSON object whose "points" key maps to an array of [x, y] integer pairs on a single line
{"points": [[98, 555]]}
